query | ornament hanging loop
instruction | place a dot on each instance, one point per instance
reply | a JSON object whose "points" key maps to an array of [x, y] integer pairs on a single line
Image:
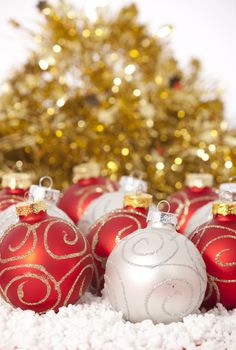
{"points": [[139, 189], [48, 179], [161, 206], [28, 197], [138, 174], [157, 218], [226, 196]]}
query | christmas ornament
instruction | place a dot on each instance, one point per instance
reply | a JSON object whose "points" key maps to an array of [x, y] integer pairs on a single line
{"points": [[185, 203], [111, 228], [216, 241], [117, 94], [8, 216], [45, 262], [155, 273], [227, 192], [88, 186], [14, 188], [110, 201]]}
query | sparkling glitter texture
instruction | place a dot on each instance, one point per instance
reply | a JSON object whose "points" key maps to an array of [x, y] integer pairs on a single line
{"points": [[91, 78]]}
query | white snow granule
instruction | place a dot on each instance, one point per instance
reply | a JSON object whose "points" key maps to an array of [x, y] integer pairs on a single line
{"points": [[93, 325]]}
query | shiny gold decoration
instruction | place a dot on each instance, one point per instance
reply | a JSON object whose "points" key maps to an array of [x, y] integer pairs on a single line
{"points": [[85, 170], [199, 180], [138, 200], [26, 208], [16, 180], [106, 89], [224, 208]]}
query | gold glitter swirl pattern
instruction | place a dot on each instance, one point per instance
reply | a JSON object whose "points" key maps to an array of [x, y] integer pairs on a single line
{"points": [[184, 204], [99, 207], [7, 201], [227, 233], [120, 233], [30, 230], [16, 281], [43, 276], [97, 228], [73, 228], [87, 267], [212, 287], [126, 214], [20, 288], [217, 259]]}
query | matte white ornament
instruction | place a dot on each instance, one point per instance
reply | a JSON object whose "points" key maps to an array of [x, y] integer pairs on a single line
{"points": [[155, 273], [8, 216], [227, 192], [109, 201]]}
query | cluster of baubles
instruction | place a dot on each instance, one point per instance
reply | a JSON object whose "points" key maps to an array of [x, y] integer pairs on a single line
{"points": [[160, 263]]}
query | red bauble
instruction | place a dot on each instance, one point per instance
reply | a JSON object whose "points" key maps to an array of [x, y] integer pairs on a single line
{"points": [[216, 241], [14, 188], [106, 233], [78, 196], [9, 197], [187, 201], [45, 263]]}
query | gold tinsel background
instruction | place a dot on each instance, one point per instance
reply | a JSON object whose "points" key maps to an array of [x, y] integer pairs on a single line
{"points": [[111, 91]]}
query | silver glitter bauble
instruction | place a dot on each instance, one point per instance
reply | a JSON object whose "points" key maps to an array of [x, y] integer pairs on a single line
{"points": [[109, 202], [155, 273]]}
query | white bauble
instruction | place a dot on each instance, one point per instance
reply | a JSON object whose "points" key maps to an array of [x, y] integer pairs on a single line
{"points": [[8, 217], [109, 201], [155, 273], [200, 216], [227, 192]]}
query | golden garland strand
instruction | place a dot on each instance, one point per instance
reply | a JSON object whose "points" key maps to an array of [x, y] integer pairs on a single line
{"points": [[111, 91]]}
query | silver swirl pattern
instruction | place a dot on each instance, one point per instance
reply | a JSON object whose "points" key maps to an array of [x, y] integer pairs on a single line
{"points": [[155, 274]]}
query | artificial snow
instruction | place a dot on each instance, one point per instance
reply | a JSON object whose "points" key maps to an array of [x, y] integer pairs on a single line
{"points": [[93, 325]]}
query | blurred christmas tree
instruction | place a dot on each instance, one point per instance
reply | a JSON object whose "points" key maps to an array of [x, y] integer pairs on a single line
{"points": [[107, 89]]}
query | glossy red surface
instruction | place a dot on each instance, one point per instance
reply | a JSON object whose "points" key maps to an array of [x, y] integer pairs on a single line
{"points": [[105, 234], [9, 197], [186, 202], [216, 241], [78, 196], [45, 263]]}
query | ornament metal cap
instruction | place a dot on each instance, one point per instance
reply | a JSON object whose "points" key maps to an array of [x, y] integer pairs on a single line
{"points": [[85, 171], [227, 192], [224, 208], [30, 207], [49, 194], [131, 184], [156, 217], [138, 200], [17, 180], [199, 180]]}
